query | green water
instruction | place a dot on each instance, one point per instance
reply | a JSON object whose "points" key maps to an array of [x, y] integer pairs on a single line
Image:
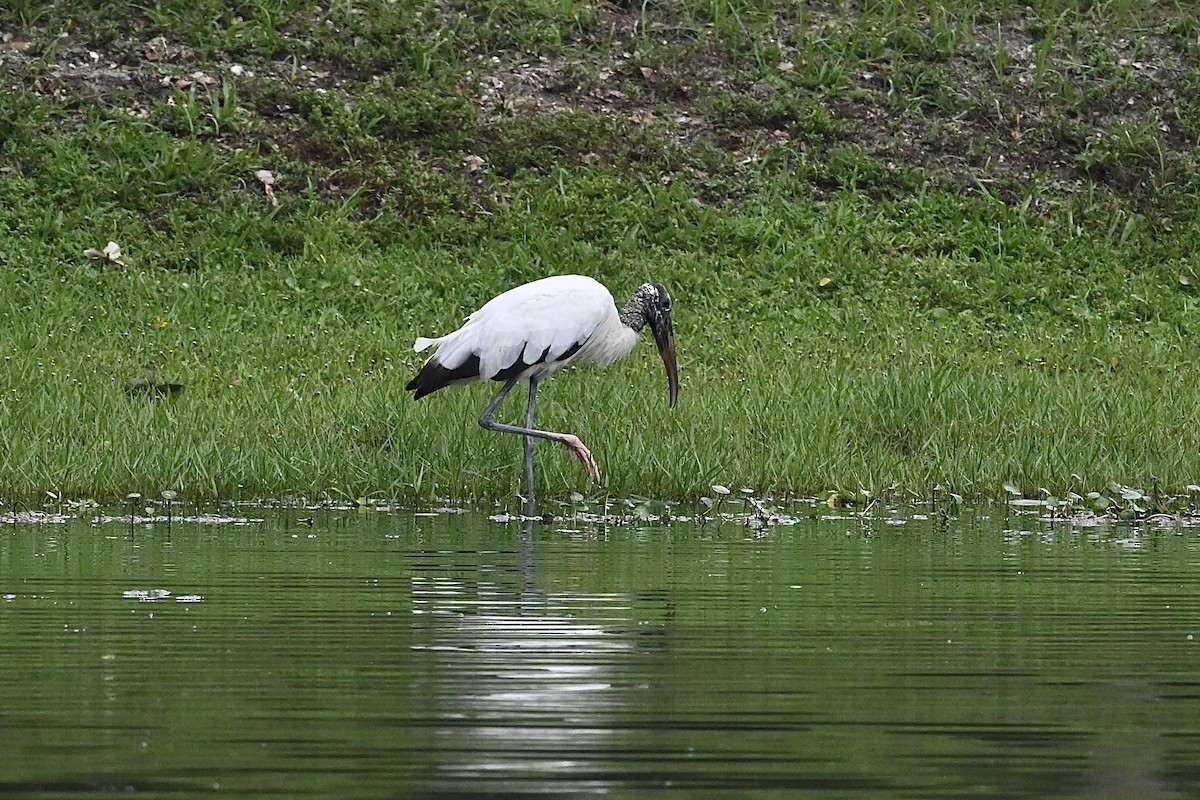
{"points": [[372, 655]]}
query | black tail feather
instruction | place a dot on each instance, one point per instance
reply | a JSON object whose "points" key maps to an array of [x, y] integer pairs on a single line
{"points": [[434, 376]]}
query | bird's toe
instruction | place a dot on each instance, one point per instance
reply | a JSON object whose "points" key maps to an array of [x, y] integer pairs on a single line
{"points": [[580, 451]]}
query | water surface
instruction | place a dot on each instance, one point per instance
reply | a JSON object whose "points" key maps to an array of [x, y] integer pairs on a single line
{"points": [[367, 655]]}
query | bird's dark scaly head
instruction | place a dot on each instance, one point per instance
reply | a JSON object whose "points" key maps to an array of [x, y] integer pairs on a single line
{"points": [[658, 317]]}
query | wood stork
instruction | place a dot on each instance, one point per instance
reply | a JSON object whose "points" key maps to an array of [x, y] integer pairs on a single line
{"points": [[532, 331]]}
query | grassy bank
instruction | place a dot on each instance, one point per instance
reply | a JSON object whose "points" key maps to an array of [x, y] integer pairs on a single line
{"points": [[908, 248]]}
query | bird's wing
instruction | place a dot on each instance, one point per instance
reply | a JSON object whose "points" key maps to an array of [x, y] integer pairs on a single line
{"points": [[539, 321], [532, 323]]}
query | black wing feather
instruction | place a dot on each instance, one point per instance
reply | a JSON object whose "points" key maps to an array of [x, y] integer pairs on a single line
{"points": [[434, 376]]}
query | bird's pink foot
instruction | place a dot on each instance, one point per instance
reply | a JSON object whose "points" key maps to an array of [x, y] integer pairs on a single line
{"points": [[580, 451]]}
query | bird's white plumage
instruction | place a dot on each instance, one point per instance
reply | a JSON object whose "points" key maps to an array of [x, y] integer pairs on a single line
{"points": [[537, 323], [531, 331]]}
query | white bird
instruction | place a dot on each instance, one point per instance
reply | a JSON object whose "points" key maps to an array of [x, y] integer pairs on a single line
{"points": [[532, 331]]}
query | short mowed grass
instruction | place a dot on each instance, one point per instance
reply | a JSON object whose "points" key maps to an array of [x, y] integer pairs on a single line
{"points": [[910, 245]]}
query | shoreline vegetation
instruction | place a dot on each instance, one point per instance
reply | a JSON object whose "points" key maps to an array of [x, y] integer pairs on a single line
{"points": [[912, 246]]}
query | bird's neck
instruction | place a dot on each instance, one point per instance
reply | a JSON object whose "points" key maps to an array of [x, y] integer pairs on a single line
{"points": [[633, 316]]}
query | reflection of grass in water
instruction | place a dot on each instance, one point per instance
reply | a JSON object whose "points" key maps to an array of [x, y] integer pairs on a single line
{"points": [[867, 296]]}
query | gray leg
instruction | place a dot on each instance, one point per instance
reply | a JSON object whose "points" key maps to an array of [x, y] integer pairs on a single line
{"points": [[572, 443], [485, 419], [530, 408]]}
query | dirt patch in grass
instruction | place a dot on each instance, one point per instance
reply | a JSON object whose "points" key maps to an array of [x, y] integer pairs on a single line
{"points": [[472, 95]]}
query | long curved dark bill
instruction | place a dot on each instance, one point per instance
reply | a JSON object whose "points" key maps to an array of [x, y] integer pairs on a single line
{"points": [[666, 349]]}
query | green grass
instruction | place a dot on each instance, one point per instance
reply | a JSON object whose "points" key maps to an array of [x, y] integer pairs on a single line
{"points": [[904, 250]]}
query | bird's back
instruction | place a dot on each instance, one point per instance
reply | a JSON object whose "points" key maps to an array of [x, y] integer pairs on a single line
{"points": [[532, 329]]}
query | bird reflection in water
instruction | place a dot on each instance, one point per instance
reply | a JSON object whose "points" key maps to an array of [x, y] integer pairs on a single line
{"points": [[527, 688]]}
